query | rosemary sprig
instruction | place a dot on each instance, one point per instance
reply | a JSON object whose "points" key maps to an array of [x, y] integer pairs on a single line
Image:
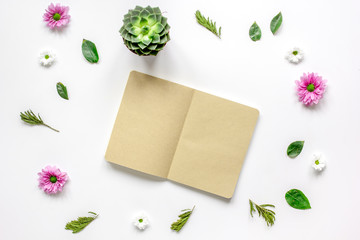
{"points": [[267, 214], [30, 118], [183, 218], [207, 23], [79, 224]]}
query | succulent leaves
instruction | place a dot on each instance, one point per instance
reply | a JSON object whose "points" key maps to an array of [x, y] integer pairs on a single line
{"points": [[145, 30]]}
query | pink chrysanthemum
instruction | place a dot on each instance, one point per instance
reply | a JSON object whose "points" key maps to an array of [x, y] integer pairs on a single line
{"points": [[310, 88], [52, 180], [56, 16]]}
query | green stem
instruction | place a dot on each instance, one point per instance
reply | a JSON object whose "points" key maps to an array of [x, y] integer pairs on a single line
{"points": [[50, 127]]}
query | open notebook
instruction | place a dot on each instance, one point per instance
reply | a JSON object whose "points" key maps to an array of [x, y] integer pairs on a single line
{"points": [[176, 132]]}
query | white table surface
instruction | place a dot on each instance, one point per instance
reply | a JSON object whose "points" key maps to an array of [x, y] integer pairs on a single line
{"points": [[251, 73]]}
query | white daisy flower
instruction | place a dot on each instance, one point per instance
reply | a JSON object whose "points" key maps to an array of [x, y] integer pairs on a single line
{"points": [[318, 162], [141, 221], [295, 55], [46, 58]]}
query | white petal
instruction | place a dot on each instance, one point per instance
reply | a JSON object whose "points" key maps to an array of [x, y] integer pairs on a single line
{"points": [[46, 62], [141, 225]]}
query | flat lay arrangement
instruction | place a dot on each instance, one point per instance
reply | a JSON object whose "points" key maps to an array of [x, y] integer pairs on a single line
{"points": [[140, 142]]}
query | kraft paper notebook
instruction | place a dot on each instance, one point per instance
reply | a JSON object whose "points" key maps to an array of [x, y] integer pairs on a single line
{"points": [[176, 132]]}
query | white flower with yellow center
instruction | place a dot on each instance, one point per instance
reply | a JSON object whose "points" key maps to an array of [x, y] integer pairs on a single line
{"points": [[141, 221], [46, 58], [295, 55], [318, 162]]}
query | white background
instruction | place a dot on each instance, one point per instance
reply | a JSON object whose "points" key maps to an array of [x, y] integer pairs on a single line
{"points": [[252, 73]]}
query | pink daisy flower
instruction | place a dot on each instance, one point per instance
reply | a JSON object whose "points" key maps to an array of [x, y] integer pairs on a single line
{"points": [[52, 180], [310, 88], [56, 16]]}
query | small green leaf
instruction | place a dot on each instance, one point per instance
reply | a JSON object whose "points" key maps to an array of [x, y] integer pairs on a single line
{"points": [[207, 23], [183, 218], [255, 32], [267, 214], [30, 118], [295, 148], [276, 23], [297, 199], [62, 91], [158, 27], [89, 51], [78, 225]]}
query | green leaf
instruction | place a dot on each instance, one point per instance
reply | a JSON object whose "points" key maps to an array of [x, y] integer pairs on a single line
{"points": [[152, 19], [30, 118], [62, 91], [157, 27], [78, 225], [295, 148], [276, 23], [297, 199], [255, 32], [183, 218], [207, 23], [156, 38], [146, 40], [89, 51], [267, 214], [135, 21]]}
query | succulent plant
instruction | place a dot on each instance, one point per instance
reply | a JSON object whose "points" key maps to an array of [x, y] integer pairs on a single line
{"points": [[145, 30]]}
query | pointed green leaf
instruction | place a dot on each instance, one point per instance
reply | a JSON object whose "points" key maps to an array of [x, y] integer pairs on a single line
{"points": [[126, 21], [138, 52], [127, 16], [128, 36], [158, 27], [297, 199], [167, 27], [62, 91], [144, 13], [122, 30], [255, 32], [135, 30], [157, 10], [295, 148], [158, 17], [128, 27], [134, 46], [276, 23], [154, 53], [135, 21], [134, 13], [142, 46], [163, 39], [146, 40], [138, 8], [163, 21], [149, 9], [89, 51], [160, 47], [136, 39], [143, 22], [152, 19], [146, 51], [151, 34], [152, 46], [156, 38]]}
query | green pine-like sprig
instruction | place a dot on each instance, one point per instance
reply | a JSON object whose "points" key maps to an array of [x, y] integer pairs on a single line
{"points": [[30, 118], [267, 214], [77, 225], [183, 218], [207, 23]]}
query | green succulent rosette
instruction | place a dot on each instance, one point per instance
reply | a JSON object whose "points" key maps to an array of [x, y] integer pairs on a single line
{"points": [[145, 31]]}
